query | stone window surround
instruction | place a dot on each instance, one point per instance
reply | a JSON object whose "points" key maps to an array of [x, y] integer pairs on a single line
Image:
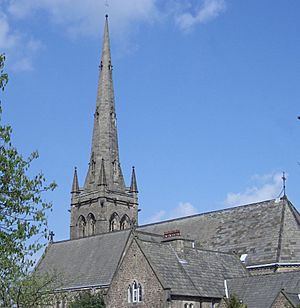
{"points": [[135, 293]]}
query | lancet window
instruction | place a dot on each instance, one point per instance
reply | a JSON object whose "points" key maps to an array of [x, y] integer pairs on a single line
{"points": [[91, 224], [81, 225], [114, 222], [135, 292], [125, 222]]}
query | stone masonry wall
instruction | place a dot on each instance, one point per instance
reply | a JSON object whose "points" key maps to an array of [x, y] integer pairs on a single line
{"points": [[135, 267]]}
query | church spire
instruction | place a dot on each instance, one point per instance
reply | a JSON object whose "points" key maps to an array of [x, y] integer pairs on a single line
{"points": [[104, 199], [105, 139]]}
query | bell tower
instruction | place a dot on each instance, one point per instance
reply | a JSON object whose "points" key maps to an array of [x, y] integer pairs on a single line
{"points": [[104, 203]]}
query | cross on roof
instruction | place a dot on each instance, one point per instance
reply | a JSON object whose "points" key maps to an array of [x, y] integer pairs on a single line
{"points": [[284, 183], [51, 236]]}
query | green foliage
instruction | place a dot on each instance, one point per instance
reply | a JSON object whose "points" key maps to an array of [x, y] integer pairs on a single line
{"points": [[234, 302], [88, 300], [33, 290], [23, 210], [3, 76]]}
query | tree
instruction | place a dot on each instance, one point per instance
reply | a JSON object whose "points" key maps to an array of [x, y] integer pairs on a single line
{"points": [[23, 209], [234, 302], [88, 300]]}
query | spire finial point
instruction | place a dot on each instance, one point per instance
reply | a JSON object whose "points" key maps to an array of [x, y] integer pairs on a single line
{"points": [[106, 16], [284, 184]]}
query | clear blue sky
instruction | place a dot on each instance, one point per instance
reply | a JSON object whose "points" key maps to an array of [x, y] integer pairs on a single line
{"points": [[207, 97]]}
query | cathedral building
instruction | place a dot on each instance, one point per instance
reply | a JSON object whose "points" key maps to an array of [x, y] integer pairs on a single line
{"points": [[252, 250]]}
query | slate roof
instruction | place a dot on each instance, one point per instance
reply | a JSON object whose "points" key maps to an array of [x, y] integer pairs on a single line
{"points": [[89, 261], [260, 291], [267, 231], [195, 272]]}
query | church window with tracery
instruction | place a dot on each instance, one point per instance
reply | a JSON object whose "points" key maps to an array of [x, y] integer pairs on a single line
{"points": [[124, 223], [129, 294], [114, 222], [91, 224], [81, 225], [135, 293]]}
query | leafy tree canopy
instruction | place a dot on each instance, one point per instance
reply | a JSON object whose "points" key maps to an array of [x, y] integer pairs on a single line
{"points": [[88, 300], [23, 210], [234, 302]]}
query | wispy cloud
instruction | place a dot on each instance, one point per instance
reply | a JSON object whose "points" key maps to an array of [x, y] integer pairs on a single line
{"points": [[264, 187], [72, 18], [183, 209], [19, 47], [8, 39], [210, 9], [77, 19], [82, 18]]}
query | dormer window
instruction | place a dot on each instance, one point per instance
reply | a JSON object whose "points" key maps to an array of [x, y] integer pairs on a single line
{"points": [[135, 293]]}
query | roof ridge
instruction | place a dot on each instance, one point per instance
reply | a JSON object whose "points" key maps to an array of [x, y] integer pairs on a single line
{"points": [[211, 250], [280, 231], [148, 233], [210, 212], [294, 272], [286, 205], [90, 236], [295, 212]]}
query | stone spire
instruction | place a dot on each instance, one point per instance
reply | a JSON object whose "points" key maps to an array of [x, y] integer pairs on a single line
{"points": [[75, 185], [105, 139], [104, 203], [133, 185]]}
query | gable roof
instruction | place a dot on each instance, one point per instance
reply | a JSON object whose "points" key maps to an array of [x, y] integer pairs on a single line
{"points": [[267, 231], [194, 272], [85, 262], [260, 291]]}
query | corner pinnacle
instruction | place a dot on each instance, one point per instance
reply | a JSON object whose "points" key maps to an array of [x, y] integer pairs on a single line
{"points": [[133, 185], [75, 185]]}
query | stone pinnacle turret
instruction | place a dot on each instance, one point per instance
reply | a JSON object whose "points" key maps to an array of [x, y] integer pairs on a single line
{"points": [[133, 185], [75, 184]]}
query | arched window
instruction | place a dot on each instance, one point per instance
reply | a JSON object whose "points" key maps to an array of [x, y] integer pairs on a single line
{"points": [[91, 224], [140, 293], [186, 305], [81, 225], [114, 222], [125, 222], [135, 292], [129, 294], [191, 305]]}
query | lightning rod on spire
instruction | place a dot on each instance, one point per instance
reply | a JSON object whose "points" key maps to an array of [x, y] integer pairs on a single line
{"points": [[284, 184]]}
